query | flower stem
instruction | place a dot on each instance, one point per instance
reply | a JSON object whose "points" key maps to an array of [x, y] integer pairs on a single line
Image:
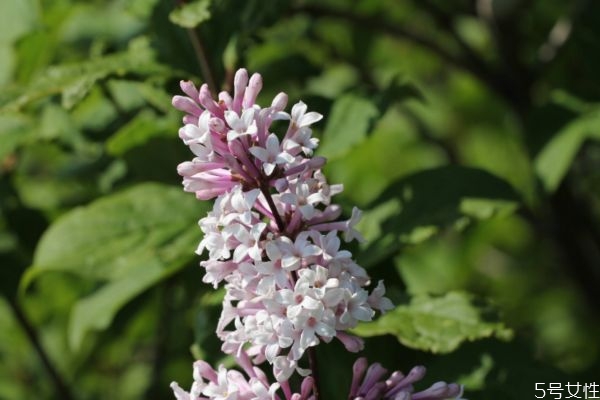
{"points": [[278, 220], [312, 356], [312, 361]]}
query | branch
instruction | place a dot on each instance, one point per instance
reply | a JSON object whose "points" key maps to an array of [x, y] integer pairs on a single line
{"points": [[61, 388], [495, 81], [201, 57], [445, 21], [165, 296]]}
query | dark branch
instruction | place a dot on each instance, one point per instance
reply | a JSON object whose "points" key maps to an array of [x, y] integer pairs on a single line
{"points": [[201, 56], [62, 390], [492, 79]]}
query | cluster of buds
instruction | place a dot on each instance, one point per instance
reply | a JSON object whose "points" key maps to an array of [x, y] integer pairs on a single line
{"points": [[273, 239]]}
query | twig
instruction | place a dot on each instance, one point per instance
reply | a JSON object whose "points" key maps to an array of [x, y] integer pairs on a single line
{"points": [[495, 81], [61, 388], [202, 59], [165, 295], [312, 361], [445, 21], [201, 56]]}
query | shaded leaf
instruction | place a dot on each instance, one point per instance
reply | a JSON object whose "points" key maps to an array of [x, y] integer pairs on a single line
{"points": [[48, 177], [397, 91], [416, 207], [555, 158], [437, 324]]}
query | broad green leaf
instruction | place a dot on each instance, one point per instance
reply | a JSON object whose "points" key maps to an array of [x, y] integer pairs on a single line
{"points": [[555, 159], [349, 122], [146, 125], [437, 324], [352, 116], [73, 81], [96, 311], [115, 234], [415, 207], [130, 241], [392, 151], [192, 14]]}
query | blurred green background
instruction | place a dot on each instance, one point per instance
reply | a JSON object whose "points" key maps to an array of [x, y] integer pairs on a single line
{"points": [[467, 130]]}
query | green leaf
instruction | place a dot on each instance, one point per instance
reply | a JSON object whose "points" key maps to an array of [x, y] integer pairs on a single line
{"points": [[130, 241], [437, 324], [116, 233], [351, 119], [146, 125], [96, 311], [554, 160], [73, 81], [415, 207], [192, 14]]}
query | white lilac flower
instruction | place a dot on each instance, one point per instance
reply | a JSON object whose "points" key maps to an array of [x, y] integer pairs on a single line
{"points": [[228, 384], [271, 155]]}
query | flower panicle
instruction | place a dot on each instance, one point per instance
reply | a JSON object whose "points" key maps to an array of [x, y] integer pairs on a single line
{"points": [[273, 237]]}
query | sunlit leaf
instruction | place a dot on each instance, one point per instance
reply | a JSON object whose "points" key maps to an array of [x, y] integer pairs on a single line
{"points": [[73, 81], [131, 239], [139, 130], [555, 159], [192, 14], [349, 122], [437, 324], [118, 232]]}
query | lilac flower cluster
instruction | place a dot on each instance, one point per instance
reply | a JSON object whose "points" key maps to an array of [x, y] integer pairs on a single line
{"points": [[227, 384], [272, 237], [370, 384]]}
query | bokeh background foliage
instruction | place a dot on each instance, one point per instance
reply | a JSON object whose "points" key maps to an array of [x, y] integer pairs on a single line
{"points": [[467, 130]]}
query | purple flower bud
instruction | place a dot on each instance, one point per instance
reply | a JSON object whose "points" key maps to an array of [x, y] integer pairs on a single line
{"points": [[254, 86], [187, 105], [189, 88], [279, 102]]}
